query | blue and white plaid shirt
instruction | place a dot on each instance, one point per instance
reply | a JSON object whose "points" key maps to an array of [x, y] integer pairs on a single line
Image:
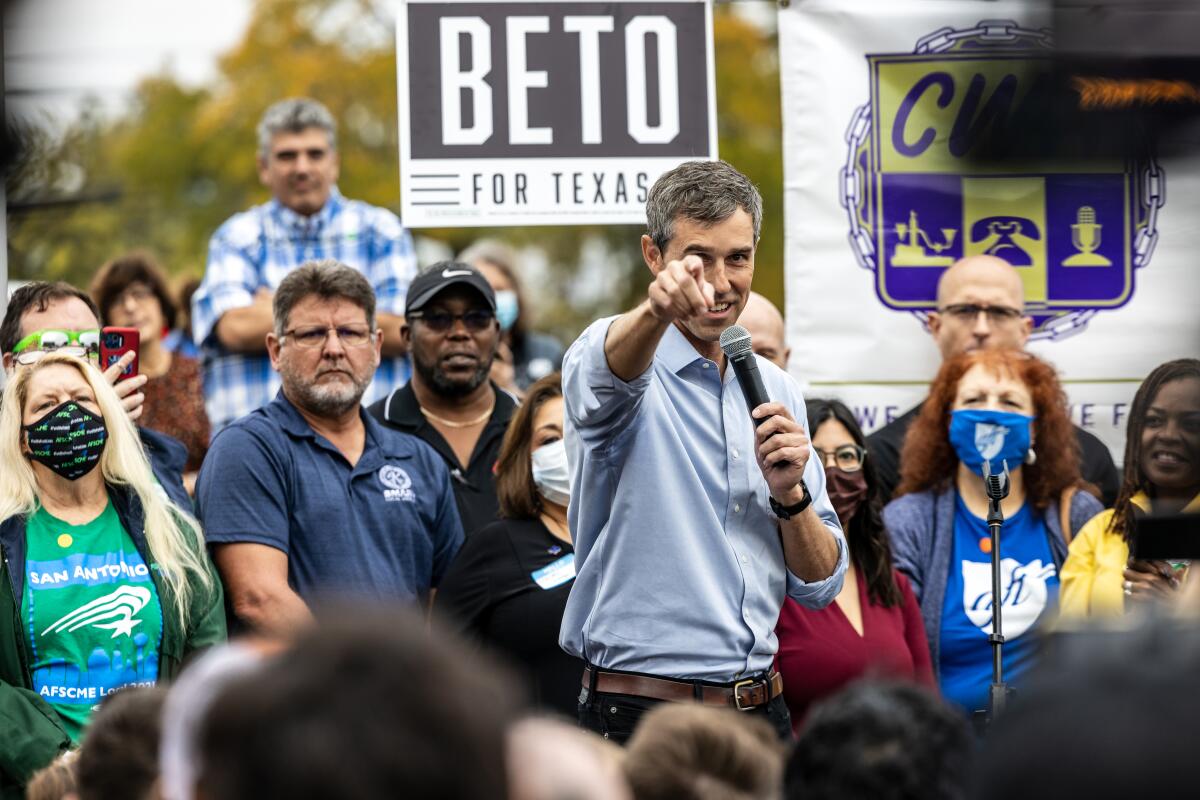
{"points": [[258, 248]]}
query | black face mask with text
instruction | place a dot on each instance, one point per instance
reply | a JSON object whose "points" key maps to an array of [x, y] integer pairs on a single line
{"points": [[69, 440]]}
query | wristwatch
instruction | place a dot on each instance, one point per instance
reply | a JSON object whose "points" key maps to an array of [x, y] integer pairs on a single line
{"points": [[787, 512]]}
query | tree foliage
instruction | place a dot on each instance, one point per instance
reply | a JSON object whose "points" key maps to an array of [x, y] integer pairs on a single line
{"points": [[165, 172]]}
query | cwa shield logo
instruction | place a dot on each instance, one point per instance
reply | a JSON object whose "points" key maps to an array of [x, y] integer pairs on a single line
{"points": [[1077, 233], [989, 439]]}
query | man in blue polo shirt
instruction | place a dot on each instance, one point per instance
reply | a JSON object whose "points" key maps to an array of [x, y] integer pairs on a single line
{"points": [[308, 496]]}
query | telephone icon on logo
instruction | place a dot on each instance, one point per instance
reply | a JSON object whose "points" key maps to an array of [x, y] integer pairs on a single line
{"points": [[1004, 237]]}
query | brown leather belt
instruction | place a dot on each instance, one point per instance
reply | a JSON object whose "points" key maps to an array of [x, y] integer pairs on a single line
{"points": [[743, 695]]}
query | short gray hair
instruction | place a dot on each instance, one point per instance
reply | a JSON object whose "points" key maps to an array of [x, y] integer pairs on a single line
{"points": [[294, 115], [328, 279], [706, 191]]}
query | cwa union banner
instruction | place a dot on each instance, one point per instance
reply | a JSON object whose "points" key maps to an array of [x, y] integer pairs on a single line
{"points": [[885, 104]]}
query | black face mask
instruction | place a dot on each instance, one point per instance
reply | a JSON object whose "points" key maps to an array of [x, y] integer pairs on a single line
{"points": [[68, 440]]}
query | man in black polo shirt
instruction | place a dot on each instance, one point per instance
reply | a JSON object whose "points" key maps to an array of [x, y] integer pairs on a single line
{"points": [[981, 304], [450, 329]]}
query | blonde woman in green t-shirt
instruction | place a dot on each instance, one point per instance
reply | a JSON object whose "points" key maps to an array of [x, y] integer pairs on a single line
{"points": [[107, 578]]}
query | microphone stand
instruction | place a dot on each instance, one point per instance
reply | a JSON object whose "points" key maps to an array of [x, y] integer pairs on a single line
{"points": [[997, 489]]}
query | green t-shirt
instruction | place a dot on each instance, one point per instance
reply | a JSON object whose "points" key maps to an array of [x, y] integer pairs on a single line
{"points": [[91, 612]]}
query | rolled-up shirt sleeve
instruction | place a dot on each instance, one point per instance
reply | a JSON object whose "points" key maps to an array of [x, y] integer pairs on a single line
{"points": [[598, 404]]}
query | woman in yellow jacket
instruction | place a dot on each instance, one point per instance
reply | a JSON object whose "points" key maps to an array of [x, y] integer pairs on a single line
{"points": [[1162, 474]]}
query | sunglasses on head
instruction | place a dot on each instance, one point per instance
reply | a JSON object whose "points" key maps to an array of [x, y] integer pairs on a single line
{"points": [[84, 344], [475, 320]]}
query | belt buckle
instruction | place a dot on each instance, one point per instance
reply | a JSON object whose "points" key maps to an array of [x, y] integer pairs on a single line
{"points": [[737, 697]]}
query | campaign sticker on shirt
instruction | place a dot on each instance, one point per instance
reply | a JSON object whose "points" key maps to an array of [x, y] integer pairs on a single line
{"points": [[555, 573]]}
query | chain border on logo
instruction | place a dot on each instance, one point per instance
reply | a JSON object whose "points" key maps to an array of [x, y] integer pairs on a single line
{"points": [[852, 180]]}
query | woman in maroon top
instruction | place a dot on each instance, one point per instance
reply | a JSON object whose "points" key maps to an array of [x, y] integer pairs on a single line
{"points": [[874, 626], [131, 292]]}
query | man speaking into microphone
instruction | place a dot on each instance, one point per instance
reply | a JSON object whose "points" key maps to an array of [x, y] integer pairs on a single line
{"points": [[690, 521]]}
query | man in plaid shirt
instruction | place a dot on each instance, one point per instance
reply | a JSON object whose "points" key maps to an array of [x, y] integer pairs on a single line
{"points": [[306, 219]]}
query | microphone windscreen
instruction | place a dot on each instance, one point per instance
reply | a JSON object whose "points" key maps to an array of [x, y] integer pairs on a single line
{"points": [[735, 341]]}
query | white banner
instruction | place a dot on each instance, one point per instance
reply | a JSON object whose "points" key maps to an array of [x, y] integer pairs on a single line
{"points": [[881, 100], [559, 113]]}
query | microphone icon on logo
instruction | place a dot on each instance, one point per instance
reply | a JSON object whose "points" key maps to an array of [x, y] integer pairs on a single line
{"points": [[1085, 237]]}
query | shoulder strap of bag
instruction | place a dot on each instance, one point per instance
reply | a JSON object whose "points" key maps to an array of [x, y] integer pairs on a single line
{"points": [[1064, 512]]}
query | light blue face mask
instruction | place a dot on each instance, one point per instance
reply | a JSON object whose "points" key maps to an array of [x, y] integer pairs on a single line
{"points": [[507, 308], [994, 436]]}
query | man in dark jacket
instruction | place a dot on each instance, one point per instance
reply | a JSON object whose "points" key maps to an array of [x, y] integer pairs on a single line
{"points": [[981, 304]]}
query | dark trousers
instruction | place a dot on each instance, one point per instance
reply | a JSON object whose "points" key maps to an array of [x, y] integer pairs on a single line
{"points": [[614, 716]]}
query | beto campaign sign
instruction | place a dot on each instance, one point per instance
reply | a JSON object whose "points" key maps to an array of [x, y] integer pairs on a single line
{"points": [[548, 113], [887, 106]]}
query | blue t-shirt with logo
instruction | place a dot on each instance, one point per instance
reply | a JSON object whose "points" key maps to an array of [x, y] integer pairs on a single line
{"points": [[1029, 585], [385, 528]]}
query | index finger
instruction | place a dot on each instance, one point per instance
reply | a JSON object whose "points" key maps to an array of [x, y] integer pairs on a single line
{"points": [[695, 268], [117, 367]]}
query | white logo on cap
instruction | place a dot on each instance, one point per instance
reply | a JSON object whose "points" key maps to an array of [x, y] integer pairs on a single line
{"points": [[455, 273]]}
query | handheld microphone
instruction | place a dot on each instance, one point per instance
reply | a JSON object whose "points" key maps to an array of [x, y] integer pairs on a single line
{"points": [[996, 486], [735, 343]]}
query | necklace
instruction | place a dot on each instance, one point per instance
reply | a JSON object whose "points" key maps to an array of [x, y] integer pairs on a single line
{"points": [[449, 423]]}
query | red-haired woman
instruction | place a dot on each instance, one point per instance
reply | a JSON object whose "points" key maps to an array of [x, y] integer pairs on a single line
{"points": [[1002, 406]]}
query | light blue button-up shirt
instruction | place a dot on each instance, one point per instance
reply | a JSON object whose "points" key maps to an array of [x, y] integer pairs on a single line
{"points": [[680, 568]]}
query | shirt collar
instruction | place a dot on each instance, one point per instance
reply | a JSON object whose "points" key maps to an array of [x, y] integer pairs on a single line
{"points": [[675, 351], [402, 408], [294, 423], [309, 224]]}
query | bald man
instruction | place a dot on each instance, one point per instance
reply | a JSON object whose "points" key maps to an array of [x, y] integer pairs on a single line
{"points": [[981, 304], [765, 323]]}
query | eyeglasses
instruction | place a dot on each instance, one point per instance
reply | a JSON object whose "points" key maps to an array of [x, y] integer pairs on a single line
{"points": [[83, 344], [139, 293], [849, 457], [475, 320], [315, 337], [969, 312]]}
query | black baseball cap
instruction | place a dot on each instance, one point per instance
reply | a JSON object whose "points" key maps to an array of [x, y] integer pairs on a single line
{"points": [[443, 275]]}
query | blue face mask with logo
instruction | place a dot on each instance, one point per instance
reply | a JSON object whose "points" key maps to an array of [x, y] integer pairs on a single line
{"points": [[507, 308], [992, 436]]}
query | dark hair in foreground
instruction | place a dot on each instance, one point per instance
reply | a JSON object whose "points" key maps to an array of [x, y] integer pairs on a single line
{"points": [[515, 489], [1135, 479], [928, 460], [881, 741], [55, 780], [694, 752], [137, 267], [1107, 715], [366, 704], [119, 756], [37, 296], [867, 537]]}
